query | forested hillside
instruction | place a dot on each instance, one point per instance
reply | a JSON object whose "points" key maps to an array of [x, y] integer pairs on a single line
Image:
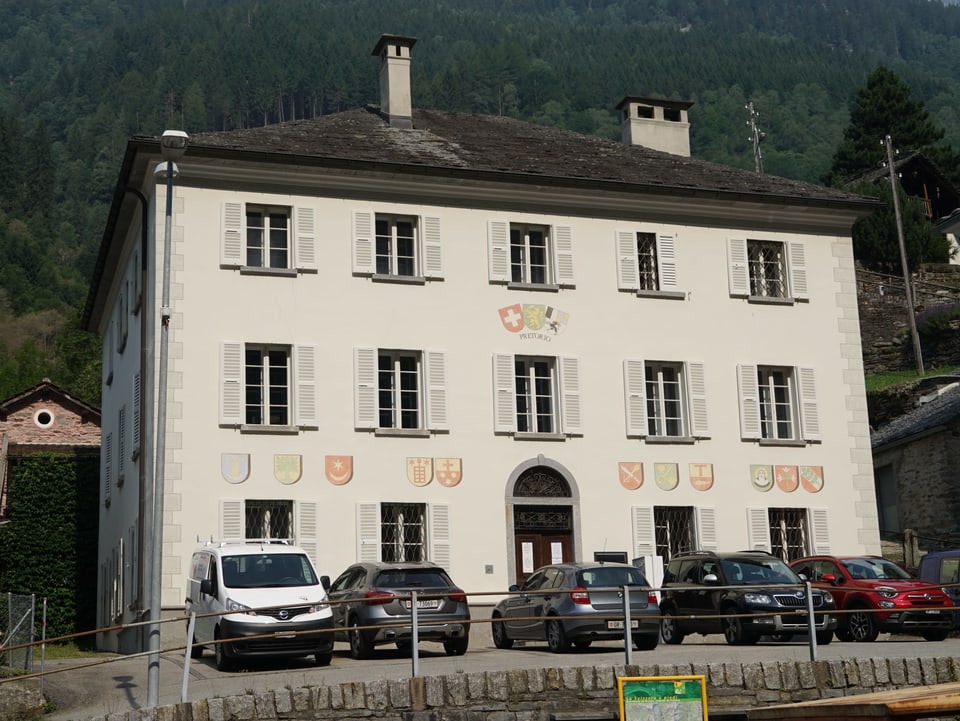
{"points": [[81, 76]]}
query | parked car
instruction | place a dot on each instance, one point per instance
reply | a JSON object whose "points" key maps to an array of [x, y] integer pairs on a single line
{"points": [[879, 596], [372, 606], [942, 568], [742, 595], [265, 595], [576, 604]]}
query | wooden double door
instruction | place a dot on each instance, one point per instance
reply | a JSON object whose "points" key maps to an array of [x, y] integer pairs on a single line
{"points": [[541, 537]]}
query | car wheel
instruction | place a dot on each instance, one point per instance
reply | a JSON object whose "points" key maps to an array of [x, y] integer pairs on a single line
{"points": [[734, 631], [324, 659], [670, 629], [224, 662], [824, 637], [937, 634], [196, 650], [582, 645], [843, 635], [360, 645], [499, 631], [556, 637], [861, 626], [456, 646], [647, 642]]}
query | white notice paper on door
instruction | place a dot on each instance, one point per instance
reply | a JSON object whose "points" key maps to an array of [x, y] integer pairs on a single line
{"points": [[526, 552], [556, 552]]}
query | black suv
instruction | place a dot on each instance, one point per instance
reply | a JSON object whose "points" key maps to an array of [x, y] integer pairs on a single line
{"points": [[742, 595]]}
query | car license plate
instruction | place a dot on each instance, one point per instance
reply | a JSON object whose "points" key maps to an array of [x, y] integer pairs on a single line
{"points": [[934, 611], [428, 603], [618, 625]]}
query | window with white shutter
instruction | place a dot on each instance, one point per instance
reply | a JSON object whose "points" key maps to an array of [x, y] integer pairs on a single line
{"points": [[778, 403], [537, 395], [399, 390], [390, 246], [528, 254], [264, 238]]}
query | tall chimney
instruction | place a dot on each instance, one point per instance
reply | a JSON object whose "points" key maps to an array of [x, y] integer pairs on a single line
{"points": [[395, 104], [656, 123]]}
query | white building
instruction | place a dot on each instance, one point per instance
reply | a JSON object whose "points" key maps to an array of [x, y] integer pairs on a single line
{"points": [[404, 334]]}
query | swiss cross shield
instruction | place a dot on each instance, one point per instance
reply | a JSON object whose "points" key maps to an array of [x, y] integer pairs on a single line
{"points": [[449, 471], [512, 317], [419, 471], [339, 469]]}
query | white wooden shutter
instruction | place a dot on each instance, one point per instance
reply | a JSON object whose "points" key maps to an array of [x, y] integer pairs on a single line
{"points": [[644, 538], [363, 231], [307, 529], [232, 519], [798, 271], [571, 415], [738, 271], [436, 381], [563, 254], [231, 383], [697, 385], [365, 387], [107, 467], [137, 397], [432, 255], [439, 520], [628, 269], [306, 239], [749, 401], [706, 519], [231, 247], [635, 402], [819, 531], [667, 261], [504, 394], [809, 407], [368, 532], [305, 368], [758, 529], [498, 251]]}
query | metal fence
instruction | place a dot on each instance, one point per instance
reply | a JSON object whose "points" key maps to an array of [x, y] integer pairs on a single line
{"points": [[16, 628]]}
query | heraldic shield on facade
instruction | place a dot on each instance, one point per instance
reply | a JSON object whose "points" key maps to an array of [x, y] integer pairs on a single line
{"points": [[533, 317], [287, 467], [339, 469], [419, 470], [449, 471], [235, 467]]}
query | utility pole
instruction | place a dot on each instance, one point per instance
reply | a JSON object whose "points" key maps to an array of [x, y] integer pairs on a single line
{"points": [[907, 285], [756, 135]]}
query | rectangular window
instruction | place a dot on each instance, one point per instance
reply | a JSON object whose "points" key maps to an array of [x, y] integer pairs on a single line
{"points": [[399, 398], [268, 237], [529, 254], [267, 385], [674, 529], [268, 519], [767, 268], [789, 533], [536, 392], [647, 267], [777, 403], [665, 399], [403, 532], [396, 246]]}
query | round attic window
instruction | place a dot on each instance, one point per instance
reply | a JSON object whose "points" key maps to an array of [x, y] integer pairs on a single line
{"points": [[43, 418]]}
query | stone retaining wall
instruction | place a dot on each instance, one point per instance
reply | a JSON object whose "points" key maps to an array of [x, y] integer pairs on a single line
{"points": [[552, 694]]}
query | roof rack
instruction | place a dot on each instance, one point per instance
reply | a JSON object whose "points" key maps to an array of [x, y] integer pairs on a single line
{"points": [[249, 541]]}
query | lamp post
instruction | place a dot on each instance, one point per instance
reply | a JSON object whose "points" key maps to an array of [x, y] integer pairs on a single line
{"points": [[173, 144]]}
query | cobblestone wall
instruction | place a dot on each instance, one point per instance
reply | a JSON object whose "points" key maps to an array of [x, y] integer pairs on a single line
{"points": [[557, 693]]}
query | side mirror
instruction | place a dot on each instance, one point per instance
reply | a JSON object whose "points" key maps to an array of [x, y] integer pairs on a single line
{"points": [[802, 577], [514, 587], [829, 578], [206, 586], [325, 582], [711, 578]]}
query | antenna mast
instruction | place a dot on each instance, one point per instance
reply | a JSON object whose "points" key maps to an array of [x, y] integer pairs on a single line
{"points": [[756, 136]]}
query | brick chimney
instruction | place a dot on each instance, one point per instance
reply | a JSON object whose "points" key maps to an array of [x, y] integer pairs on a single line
{"points": [[656, 123], [395, 104]]}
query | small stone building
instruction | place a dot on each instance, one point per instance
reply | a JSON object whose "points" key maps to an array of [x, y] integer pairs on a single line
{"points": [[44, 418]]}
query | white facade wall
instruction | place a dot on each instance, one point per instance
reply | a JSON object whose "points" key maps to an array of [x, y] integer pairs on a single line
{"points": [[336, 311]]}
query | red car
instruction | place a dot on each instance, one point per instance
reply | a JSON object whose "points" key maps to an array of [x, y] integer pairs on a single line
{"points": [[875, 595]]}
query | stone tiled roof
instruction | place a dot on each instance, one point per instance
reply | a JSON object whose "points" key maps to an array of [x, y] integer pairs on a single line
{"points": [[450, 142], [938, 411]]}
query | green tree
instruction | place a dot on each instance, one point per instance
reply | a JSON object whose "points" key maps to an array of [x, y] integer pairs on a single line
{"points": [[884, 107]]}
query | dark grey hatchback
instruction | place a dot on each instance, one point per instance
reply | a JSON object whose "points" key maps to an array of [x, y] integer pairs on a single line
{"points": [[372, 605], [576, 604]]}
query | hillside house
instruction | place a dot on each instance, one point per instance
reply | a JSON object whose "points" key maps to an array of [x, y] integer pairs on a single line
{"points": [[407, 334]]}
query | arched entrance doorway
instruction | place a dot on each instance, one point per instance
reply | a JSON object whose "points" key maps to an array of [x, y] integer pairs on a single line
{"points": [[544, 517]]}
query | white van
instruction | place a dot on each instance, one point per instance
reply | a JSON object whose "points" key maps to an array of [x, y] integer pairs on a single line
{"points": [[264, 597]]}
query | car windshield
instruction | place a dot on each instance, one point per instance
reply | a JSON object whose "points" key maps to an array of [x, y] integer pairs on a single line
{"points": [[606, 577], [874, 568], [265, 570], [412, 578], [757, 571]]}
